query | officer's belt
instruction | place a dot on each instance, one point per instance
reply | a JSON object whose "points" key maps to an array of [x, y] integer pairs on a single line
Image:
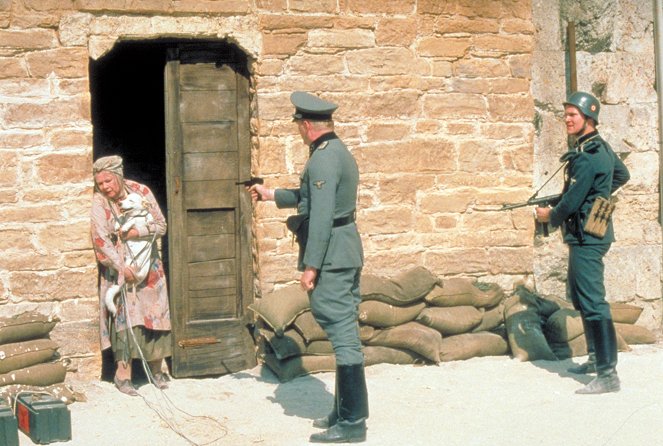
{"points": [[342, 221]]}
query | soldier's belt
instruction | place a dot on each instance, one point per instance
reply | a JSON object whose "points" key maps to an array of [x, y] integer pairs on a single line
{"points": [[342, 221]]}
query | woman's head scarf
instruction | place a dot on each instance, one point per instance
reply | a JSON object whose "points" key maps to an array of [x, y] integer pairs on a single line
{"points": [[112, 164]]}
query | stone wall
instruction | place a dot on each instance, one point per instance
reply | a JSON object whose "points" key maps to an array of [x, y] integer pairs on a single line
{"points": [[436, 102], [615, 62]]}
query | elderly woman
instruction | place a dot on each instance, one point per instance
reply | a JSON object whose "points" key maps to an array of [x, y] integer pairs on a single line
{"points": [[140, 327]]}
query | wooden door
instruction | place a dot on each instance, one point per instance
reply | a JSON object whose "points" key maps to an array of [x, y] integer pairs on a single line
{"points": [[209, 215]]}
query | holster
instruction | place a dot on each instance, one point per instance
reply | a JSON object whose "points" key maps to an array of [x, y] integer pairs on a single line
{"points": [[298, 225]]}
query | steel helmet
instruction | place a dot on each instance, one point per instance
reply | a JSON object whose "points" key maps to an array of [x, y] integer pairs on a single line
{"points": [[586, 103]]}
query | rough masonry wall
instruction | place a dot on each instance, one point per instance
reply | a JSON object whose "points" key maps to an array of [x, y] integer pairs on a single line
{"points": [[615, 62], [435, 103]]}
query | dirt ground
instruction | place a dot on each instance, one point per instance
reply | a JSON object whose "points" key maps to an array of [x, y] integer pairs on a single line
{"points": [[482, 401]]}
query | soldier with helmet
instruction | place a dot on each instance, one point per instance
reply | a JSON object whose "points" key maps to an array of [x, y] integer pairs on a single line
{"points": [[330, 258], [593, 172]]}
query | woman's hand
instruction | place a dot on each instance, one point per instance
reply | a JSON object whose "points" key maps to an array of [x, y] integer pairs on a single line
{"points": [[129, 275], [131, 233]]}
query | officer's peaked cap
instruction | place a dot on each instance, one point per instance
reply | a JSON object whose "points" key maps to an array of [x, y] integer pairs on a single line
{"points": [[308, 106]]}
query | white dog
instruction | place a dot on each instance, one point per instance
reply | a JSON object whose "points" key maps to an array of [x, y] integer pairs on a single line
{"points": [[138, 252]]}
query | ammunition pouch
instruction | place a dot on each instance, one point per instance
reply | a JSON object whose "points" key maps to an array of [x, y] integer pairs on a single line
{"points": [[599, 217]]}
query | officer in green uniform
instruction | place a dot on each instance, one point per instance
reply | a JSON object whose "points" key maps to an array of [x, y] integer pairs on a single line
{"points": [[331, 258], [593, 170]]}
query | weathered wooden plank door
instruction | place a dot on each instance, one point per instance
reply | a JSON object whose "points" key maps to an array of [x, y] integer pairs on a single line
{"points": [[209, 215]]}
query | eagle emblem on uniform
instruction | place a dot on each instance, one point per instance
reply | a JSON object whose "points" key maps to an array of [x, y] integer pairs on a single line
{"points": [[319, 184]]}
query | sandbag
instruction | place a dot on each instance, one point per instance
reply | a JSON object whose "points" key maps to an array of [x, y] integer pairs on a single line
{"points": [[491, 318], [406, 288], [563, 325], [59, 391], [322, 347], [295, 366], [526, 338], [19, 355], [25, 326], [43, 374], [543, 306], [578, 347], [366, 332], [380, 314], [411, 336], [471, 345], [635, 334], [624, 313], [290, 344], [387, 355], [450, 320], [280, 308], [456, 292], [308, 327]]}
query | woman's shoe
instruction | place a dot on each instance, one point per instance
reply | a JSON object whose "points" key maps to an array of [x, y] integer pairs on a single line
{"points": [[160, 380], [125, 386]]}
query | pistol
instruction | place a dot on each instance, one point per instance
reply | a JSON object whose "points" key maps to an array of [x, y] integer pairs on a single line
{"points": [[251, 182]]}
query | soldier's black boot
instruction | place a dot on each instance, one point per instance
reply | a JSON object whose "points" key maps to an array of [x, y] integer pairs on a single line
{"points": [[328, 421], [352, 400], [590, 365], [605, 342]]}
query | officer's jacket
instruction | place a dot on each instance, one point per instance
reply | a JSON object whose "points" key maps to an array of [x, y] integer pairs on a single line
{"points": [[594, 170], [327, 191]]}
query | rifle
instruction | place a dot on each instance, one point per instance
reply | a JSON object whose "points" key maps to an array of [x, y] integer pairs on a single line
{"points": [[549, 200], [251, 182]]}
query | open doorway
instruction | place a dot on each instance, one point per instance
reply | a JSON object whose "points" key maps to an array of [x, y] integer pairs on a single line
{"points": [[190, 150]]}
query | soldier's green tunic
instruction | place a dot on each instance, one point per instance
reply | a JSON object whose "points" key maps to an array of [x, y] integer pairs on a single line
{"points": [[328, 193], [594, 170]]}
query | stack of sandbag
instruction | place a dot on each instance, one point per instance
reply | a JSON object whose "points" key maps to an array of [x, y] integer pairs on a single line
{"points": [[549, 328], [28, 358], [411, 318], [470, 317]]}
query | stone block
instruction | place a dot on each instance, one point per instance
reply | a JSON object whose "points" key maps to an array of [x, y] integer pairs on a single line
{"points": [[28, 39], [478, 67], [384, 62], [62, 62], [454, 105], [509, 108], [58, 285], [58, 238], [63, 168], [12, 67], [346, 39], [395, 31], [457, 261], [313, 6], [283, 44], [450, 47]]}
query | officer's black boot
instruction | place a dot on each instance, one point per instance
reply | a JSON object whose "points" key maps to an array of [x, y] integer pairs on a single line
{"points": [[352, 399], [328, 421], [605, 342], [590, 365]]}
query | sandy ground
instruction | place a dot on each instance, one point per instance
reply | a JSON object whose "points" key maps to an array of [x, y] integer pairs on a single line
{"points": [[482, 401]]}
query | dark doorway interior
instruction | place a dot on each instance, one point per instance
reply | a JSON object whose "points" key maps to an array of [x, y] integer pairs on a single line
{"points": [[127, 97]]}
